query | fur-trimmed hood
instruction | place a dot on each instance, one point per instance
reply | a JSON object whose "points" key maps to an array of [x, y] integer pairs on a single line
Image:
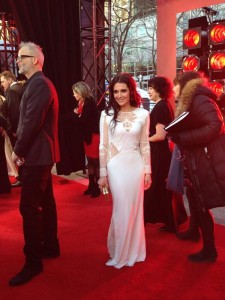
{"points": [[193, 88]]}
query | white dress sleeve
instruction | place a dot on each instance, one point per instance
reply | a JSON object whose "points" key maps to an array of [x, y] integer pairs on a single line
{"points": [[145, 145], [104, 144]]}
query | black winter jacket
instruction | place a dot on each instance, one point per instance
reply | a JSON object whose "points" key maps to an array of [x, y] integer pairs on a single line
{"points": [[203, 144]]}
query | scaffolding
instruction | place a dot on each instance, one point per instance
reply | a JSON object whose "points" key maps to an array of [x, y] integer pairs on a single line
{"points": [[9, 42], [95, 26]]}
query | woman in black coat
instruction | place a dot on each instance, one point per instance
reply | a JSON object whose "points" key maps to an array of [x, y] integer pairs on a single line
{"points": [[88, 117], [202, 140], [5, 186]]}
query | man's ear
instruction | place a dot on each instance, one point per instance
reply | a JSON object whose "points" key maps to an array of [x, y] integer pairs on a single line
{"points": [[35, 60]]}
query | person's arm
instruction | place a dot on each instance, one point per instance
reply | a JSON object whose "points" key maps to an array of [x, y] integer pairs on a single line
{"points": [[145, 152], [103, 151], [13, 109], [210, 124], [160, 134]]}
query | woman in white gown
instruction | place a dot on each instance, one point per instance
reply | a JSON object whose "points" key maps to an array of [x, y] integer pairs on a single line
{"points": [[125, 169]]}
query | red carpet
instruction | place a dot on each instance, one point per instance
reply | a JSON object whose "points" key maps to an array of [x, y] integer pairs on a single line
{"points": [[80, 272]]}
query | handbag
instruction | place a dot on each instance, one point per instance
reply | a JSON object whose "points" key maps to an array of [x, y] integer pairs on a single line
{"points": [[175, 179]]}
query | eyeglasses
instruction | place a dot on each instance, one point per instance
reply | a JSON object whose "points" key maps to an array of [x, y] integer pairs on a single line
{"points": [[20, 57]]}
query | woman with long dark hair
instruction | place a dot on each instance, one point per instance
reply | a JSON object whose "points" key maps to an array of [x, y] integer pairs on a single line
{"points": [[125, 169]]}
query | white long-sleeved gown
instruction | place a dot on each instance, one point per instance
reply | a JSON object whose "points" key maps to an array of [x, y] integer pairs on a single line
{"points": [[125, 158]]}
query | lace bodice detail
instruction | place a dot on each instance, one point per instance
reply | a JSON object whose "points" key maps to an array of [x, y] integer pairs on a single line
{"points": [[130, 134]]}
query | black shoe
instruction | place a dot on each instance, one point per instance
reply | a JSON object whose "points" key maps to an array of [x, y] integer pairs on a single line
{"points": [[203, 256], [50, 254], [96, 192], [16, 184], [51, 251], [167, 229], [26, 275], [88, 191], [189, 234], [163, 228]]}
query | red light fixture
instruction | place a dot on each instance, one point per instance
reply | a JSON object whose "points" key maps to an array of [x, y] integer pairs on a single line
{"points": [[192, 38], [217, 33], [204, 45], [190, 63], [217, 60], [216, 41], [217, 87]]}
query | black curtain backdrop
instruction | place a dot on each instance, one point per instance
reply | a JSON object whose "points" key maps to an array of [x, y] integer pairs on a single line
{"points": [[55, 26]]}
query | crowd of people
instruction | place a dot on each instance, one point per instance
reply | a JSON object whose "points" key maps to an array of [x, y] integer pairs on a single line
{"points": [[128, 152]]}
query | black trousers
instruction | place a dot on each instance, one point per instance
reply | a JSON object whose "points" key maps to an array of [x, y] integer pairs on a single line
{"points": [[38, 210], [203, 220]]}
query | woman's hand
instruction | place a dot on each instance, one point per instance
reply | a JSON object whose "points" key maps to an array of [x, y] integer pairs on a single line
{"points": [[147, 181], [103, 182]]}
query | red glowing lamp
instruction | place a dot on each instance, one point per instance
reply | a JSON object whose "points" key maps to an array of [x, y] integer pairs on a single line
{"points": [[217, 33], [192, 38], [217, 61], [190, 63], [217, 87]]}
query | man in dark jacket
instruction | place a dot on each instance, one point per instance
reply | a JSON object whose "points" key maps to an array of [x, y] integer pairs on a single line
{"points": [[13, 93], [36, 150]]}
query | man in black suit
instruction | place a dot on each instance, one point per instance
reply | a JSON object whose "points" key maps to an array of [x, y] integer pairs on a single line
{"points": [[13, 94], [36, 150]]}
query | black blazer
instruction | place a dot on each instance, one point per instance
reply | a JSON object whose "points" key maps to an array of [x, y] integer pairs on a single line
{"points": [[37, 133]]}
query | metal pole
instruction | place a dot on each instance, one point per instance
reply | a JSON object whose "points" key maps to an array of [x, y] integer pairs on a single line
{"points": [[95, 50]]}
